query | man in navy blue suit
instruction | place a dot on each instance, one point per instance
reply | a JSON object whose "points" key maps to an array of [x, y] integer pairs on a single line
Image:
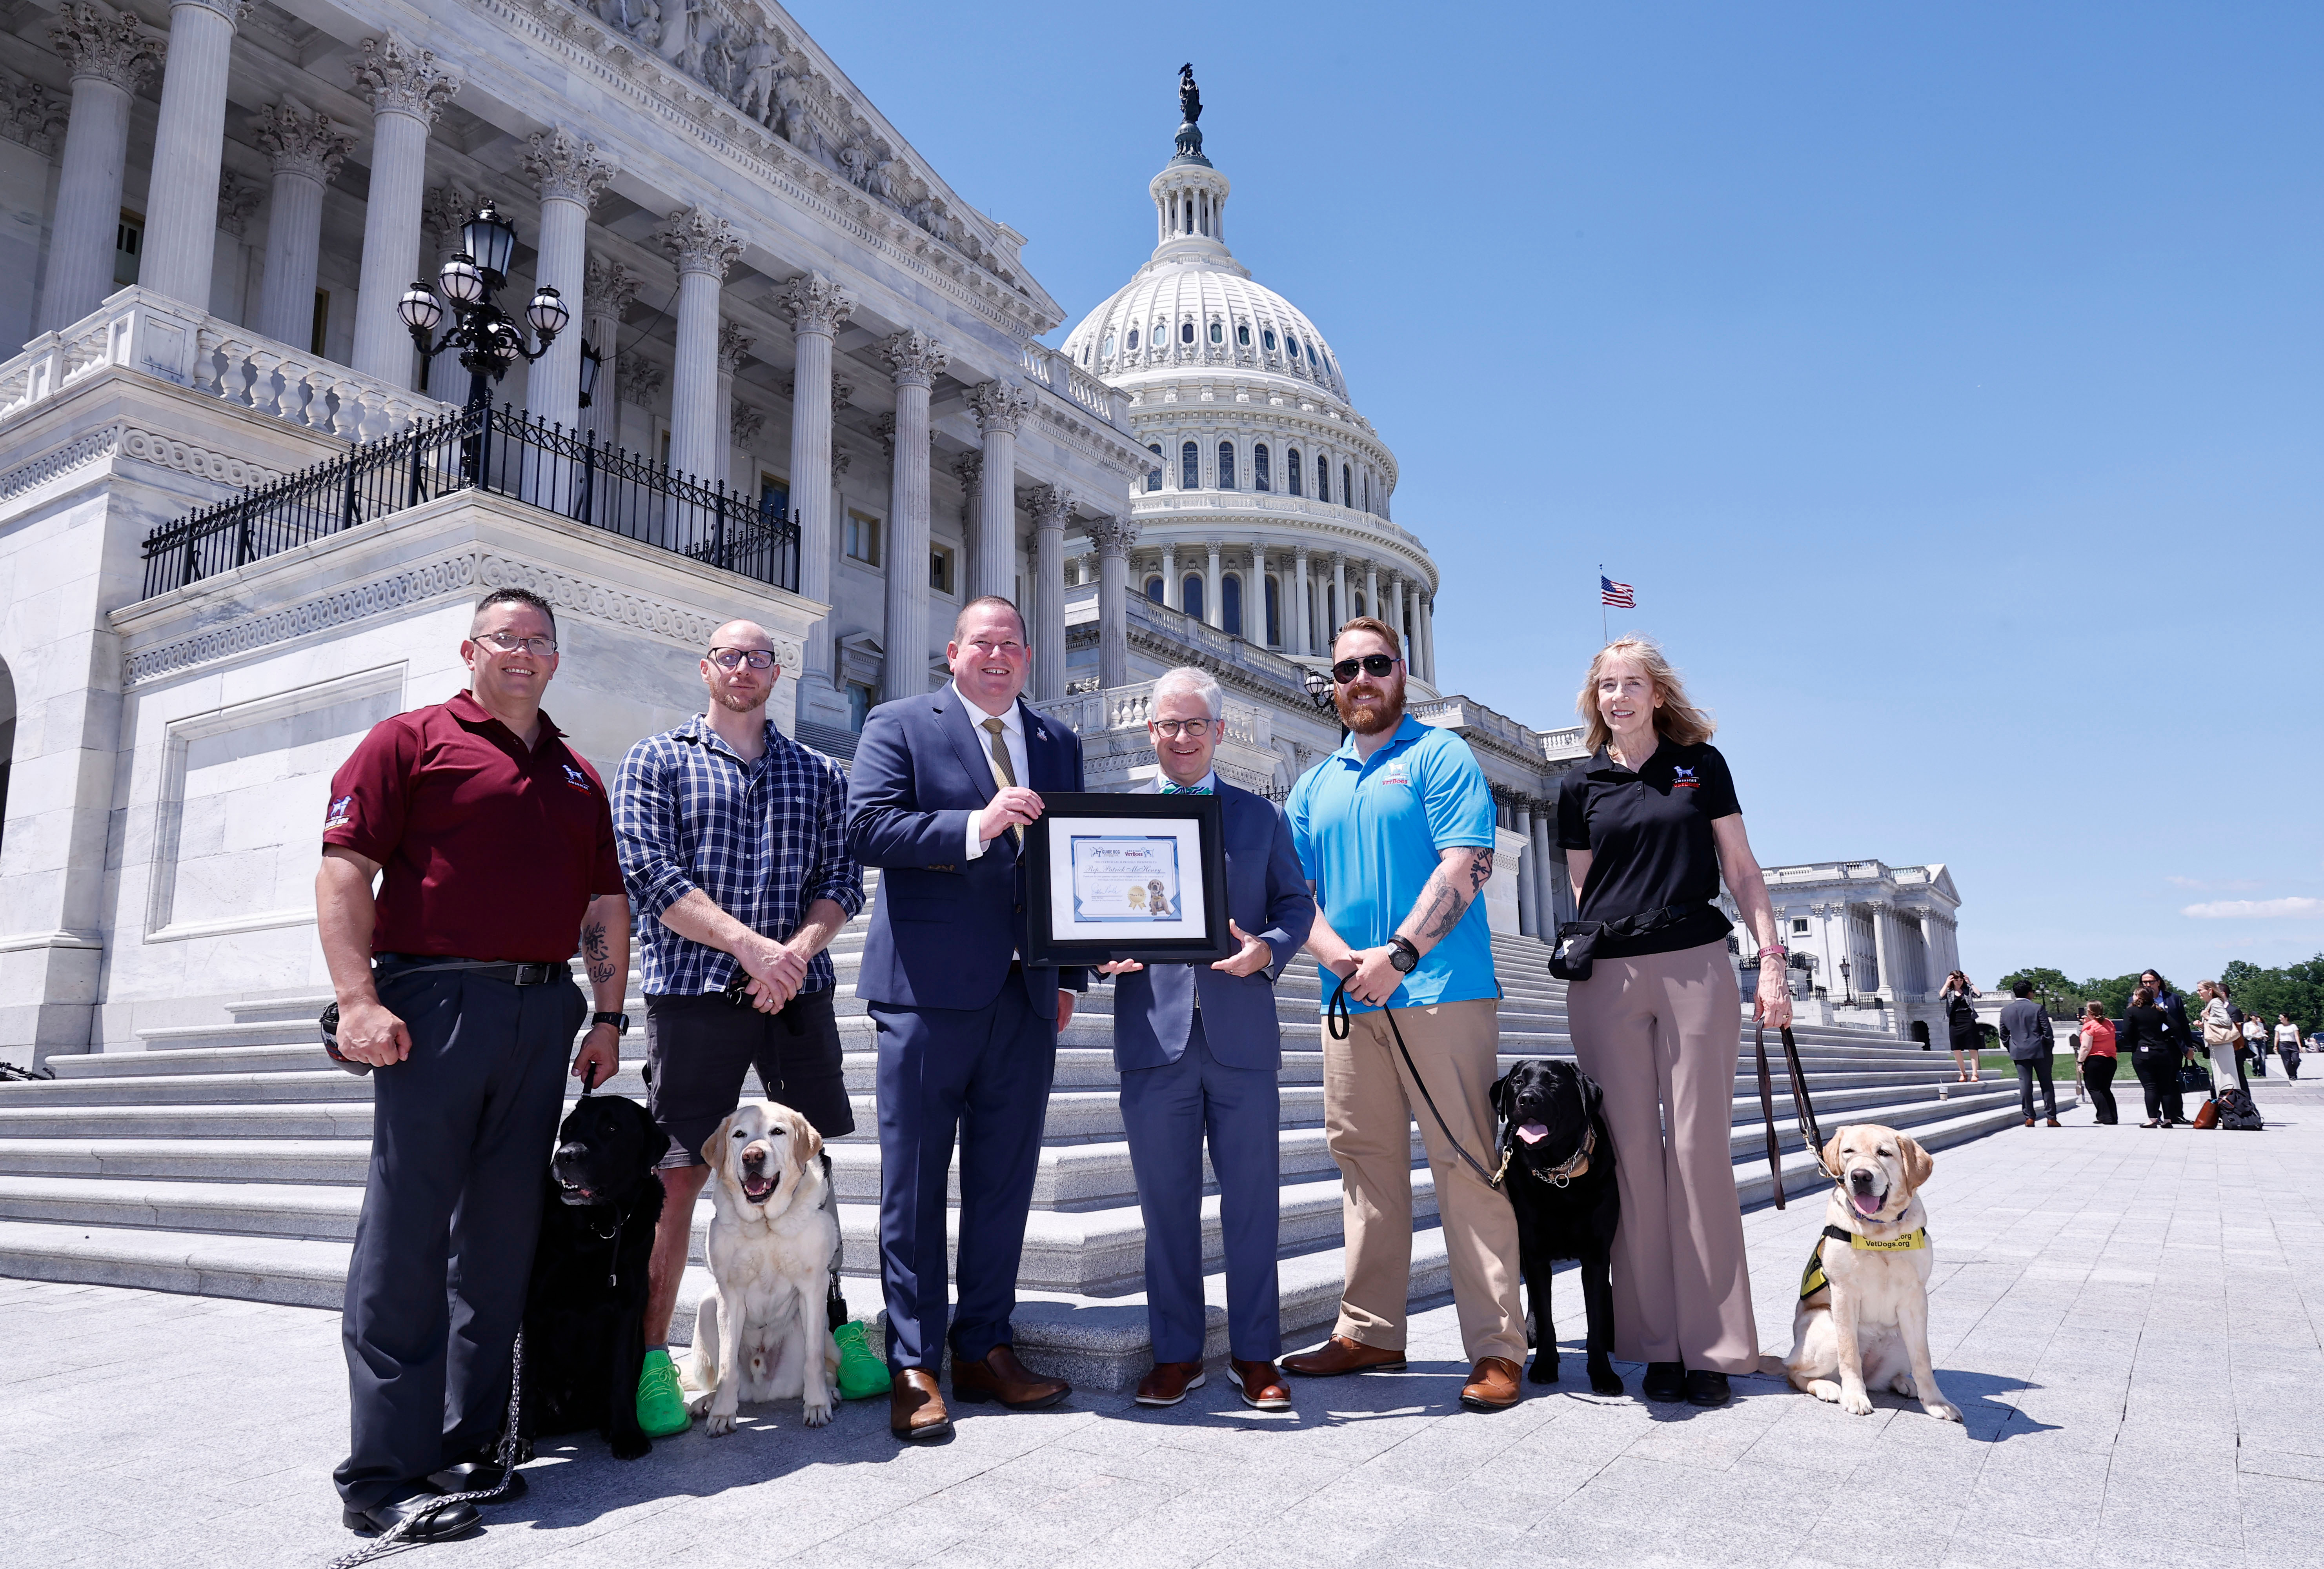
{"points": [[1198, 1050], [942, 789]]}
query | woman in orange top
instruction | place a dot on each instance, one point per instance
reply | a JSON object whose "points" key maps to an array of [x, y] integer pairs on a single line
{"points": [[2097, 1058]]}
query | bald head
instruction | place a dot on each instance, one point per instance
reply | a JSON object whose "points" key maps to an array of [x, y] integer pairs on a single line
{"points": [[742, 634], [726, 668]]}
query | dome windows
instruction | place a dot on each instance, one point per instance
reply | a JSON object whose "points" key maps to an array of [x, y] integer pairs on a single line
{"points": [[1190, 467], [1322, 478], [1154, 474], [1266, 338], [1186, 332], [1106, 348], [1242, 333], [1154, 589], [1347, 485], [1259, 479], [1291, 343], [1291, 468], [1133, 340], [1218, 333], [1226, 465]]}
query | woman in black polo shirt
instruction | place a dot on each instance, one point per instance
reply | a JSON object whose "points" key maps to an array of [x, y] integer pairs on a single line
{"points": [[1648, 825]]}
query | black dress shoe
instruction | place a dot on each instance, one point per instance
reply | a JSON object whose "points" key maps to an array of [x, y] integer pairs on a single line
{"points": [[443, 1522], [478, 1473], [1707, 1388], [1665, 1381]]}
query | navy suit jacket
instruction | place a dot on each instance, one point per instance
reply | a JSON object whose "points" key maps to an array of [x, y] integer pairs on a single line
{"points": [[1267, 897], [944, 926]]}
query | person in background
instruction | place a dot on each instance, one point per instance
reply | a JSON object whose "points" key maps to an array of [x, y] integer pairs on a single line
{"points": [[2155, 1054], [1961, 1024], [2222, 1040], [2026, 1035], [2097, 1056], [2287, 1044], [2174, 1012], [2256, 1044]]}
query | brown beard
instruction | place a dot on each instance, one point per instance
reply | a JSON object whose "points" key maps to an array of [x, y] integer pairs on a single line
{"points": [[1386, 714], [733, 705]]}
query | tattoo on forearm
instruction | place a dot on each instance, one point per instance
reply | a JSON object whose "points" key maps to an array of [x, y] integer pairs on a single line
{"points": [[597, 954], [1481, 869]]}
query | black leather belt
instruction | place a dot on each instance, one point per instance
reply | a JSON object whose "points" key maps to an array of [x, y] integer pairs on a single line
{"points": [[515, 974]]}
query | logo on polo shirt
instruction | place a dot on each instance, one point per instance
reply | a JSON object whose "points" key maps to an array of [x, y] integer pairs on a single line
{"points": [[1683, 779], [335, 815], [575, 777], [1394, 773]]}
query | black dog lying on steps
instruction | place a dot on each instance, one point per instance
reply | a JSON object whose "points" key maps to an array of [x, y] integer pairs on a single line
{"points": [[1560, 1182], [585, 1310]]}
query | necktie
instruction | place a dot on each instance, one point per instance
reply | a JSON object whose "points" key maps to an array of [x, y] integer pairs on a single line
{"points": [[1179, 789], [1003, 774]]}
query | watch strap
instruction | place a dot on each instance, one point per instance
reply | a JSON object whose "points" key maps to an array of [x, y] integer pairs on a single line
{"points": [[619, 1021]]}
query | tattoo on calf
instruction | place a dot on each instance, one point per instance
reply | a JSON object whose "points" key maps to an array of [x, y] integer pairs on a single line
{"points": [[596, 952]]}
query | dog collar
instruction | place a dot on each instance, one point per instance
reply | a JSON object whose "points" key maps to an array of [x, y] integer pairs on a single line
{"points": [[1564, 1173]]}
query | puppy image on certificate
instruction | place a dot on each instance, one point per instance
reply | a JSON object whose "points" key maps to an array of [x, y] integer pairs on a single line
{"points": [[1118, 878]]}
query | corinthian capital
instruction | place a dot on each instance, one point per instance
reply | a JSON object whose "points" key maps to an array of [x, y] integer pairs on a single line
{"points": [[1052, 505], [816, 304], [999, 407], [401, 80], [236, 201], [567, 168], [301, 141], [1112, 536], [699, 243], [608, 287], [115, 49], [918, 358], [745, 420], [731, 347]]}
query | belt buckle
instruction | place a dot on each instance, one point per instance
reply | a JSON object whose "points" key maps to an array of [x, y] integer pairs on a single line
{"points": [[535, 975]]}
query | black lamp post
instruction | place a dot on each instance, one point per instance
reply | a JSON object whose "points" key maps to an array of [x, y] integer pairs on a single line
{"points": [[1319, 692], [1844, 986], [489, 339]]}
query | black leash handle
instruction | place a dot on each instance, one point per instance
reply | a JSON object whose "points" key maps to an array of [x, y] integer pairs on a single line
{"points": [[1335, 1020], [1802, 1107], [1768, 1113]]}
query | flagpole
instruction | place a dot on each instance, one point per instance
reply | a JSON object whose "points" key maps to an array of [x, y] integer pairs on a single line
{"points": [[1605, 633]]}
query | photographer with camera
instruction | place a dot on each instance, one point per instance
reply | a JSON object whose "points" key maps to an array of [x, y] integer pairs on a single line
{"points": [[733, 843]]}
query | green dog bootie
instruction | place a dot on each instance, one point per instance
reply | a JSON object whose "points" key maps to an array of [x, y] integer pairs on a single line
{"points": [[862, 1373], [661, 1404]]}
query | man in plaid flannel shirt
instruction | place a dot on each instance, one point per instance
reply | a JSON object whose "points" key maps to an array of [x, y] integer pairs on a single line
{"points": [[734, 845]]}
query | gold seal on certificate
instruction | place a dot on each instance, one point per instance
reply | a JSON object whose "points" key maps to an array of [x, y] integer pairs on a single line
{"points": [[1126, 877]]}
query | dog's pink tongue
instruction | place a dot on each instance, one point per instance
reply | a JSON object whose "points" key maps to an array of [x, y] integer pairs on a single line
{"points": [[1866, 1203], [1532, 1132]]}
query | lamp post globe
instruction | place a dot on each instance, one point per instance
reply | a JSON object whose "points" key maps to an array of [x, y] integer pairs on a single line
{"points": [[490, 241], [420, 309], [548, 314]]}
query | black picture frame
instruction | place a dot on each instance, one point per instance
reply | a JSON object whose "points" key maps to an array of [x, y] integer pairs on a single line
{"points": [[1061, 812]]}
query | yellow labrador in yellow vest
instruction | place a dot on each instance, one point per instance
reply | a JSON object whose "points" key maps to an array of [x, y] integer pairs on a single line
{"points": [[759, 1331], [1864, 1297]]}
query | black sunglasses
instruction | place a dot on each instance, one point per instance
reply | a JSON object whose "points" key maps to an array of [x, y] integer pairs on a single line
{"points": [[1370, 664]]}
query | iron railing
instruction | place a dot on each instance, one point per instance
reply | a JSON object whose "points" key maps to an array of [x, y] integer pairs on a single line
{"points": [[503, 451]]}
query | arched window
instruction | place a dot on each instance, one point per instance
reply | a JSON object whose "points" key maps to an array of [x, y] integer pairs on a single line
{"points": [[1190, 596], [1266, 337], [1242, 333], [1218, 332], [1186, 332], [1204, 213], [1106, 348], [1259, 478], [1153, 588], [1291, 468], [1190, 467], [1133, 337], [1347, 485], [1358, 595], [1367, 490], [1226, 465], [1231, 604], [1292, 343], [1154, 474], [1322, 477], [1274, 614]]}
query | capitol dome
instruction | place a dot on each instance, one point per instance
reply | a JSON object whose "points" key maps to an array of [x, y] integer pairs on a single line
{"points": [[1267, 512]]}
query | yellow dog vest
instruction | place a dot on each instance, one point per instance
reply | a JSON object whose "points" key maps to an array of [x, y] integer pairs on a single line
{"points": [[1812, 1278]]}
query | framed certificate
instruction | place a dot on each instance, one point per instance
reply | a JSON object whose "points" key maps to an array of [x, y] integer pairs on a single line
{"points": [[1126, 877]]}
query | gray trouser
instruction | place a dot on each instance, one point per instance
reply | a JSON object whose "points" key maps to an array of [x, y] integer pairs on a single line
{"points": [[2028, 1070], [461, 1135]]}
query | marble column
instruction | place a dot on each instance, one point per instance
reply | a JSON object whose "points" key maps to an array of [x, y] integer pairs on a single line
{"points": [[1299, 631], [606, 290], [1339, 606], [1254, 597], [1884, 950], [1170, 593], [1394, 618], [110, 55], [306, 151], [1551, 863], [816, 306], [969, 469], [1052, 508], [189, 146], [1113, 538], [571, 174], [407, 89], [1371, 590], [918, 359], [1428, 629], [1213, 601], [704, 247], [732, 344], [999, 407]]}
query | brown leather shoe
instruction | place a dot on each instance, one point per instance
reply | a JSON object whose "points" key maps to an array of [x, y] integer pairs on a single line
{"points": [[915, 1407], [1492, 1385], [1001, 1377], [1167, 1384], [1261, 1387], [2029, 1122], [1340, 1355], [2055, 1123]]}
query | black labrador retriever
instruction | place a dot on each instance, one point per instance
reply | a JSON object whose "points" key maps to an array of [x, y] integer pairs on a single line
{"points": [[584, 1311], [1560, 1182]]}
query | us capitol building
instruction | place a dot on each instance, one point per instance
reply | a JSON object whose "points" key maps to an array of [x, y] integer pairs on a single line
{"points": [[706, 337]]}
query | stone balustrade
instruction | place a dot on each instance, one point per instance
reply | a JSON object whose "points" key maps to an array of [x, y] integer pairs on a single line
{"points": [[1058, 375]]}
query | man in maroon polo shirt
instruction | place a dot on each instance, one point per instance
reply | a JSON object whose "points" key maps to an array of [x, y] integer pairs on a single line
{"points": [[493, 844]]}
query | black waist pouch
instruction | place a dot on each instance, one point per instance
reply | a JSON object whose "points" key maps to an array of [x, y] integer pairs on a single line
{"points": [[1577, 940]]}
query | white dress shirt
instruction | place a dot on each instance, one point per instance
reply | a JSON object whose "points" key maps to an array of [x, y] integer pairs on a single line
{"points": [[1012, 736]]}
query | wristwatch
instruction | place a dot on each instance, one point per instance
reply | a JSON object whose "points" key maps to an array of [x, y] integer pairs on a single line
{"points": [[619, 1021], [1403, 957]]}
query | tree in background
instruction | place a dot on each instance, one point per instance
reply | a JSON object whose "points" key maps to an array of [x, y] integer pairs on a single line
{"points": [[2295, 989], [2063, 998], [2066, 997]]}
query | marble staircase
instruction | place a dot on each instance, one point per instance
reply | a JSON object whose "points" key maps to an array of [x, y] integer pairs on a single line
{"points": [[228, 1159]]}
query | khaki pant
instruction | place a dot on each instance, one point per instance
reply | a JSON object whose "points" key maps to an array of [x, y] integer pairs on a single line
{"points": [[1369, 1104], [1660, 1034]]}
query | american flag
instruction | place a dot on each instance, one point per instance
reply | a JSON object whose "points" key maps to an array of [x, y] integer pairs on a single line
{"points": [[1620, 595]]}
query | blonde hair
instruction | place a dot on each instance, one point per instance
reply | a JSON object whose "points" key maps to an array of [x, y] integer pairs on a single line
{"points": [[1676, 720], [2213, 987]]}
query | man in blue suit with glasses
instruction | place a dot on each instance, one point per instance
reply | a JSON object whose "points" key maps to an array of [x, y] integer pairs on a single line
{"points": [[1198, 1049], [942, 790]]}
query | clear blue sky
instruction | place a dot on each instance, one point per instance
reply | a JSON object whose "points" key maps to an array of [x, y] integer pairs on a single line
{"points": [[1945, 377]]}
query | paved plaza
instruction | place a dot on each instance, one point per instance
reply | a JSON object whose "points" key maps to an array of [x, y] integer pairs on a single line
{"points": [[2130, 1320]]}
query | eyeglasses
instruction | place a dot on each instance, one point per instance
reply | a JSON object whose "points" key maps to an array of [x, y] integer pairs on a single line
{"points": [[757, 659], [1373, 665], [508, 643], [1193, 729]]}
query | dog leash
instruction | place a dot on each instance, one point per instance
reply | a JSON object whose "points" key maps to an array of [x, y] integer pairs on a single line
{"points": [[511, 1441], [1767, 1113], [1336, 1019], [1811, 1134]]}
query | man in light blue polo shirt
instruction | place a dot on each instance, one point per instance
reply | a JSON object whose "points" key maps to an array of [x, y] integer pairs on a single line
{"points": [[1396, 833]]}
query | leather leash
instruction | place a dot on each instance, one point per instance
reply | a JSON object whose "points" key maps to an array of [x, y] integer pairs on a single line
{"points": [[1767, 1113], [1335, 1020]]}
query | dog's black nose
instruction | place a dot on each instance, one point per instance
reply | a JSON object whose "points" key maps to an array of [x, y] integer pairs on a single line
{"points": [[1862, 1179]]}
